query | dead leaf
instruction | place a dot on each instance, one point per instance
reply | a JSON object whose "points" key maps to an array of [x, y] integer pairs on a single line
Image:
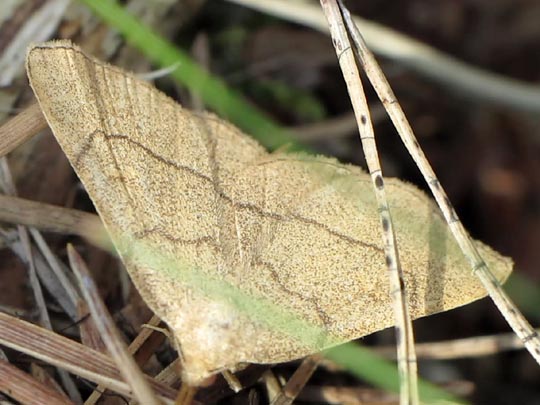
{"points": [[214, 230]]}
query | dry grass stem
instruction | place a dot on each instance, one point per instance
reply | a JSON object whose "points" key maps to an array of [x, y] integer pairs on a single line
{"points": [[185, 395], [273, 387], [20, 128], [460, 348], [169, 376], [89, 335], [57, 267], [110, 335], [134, 346], [403, 324], [45, 274], [347, 395], [362, 396], [26, 389], [36, 21], [517, 321], [40, 374], [9, 188], [298, 380], [51, 218], [61, 352], [233, 382]]}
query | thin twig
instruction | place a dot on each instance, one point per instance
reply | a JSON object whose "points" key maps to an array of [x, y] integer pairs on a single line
{"points": [[46, 275], [110, 335], [232, 381], [460, 348], [37, 26], [298, 380], [26, 389], [135, 345], [21, 127], [273, 387], [57, 267], [51, 218], [9, 187], [72, 356], [511, 313], [45, 320], [403, 325]]}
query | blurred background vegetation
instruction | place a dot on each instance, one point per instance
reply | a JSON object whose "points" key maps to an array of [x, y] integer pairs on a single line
{"points": [[280, 82]]}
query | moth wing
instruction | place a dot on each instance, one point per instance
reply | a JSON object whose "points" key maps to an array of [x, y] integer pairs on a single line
{"points": [[154, 173], [200, 212], [323, 249]]}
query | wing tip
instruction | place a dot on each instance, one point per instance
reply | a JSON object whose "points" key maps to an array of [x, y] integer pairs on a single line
{"points": [[34, 51], [55, 43]]}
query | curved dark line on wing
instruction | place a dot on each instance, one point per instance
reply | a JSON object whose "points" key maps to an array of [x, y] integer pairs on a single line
{"points": [[209, 240], [321, 313], [221, 193]]}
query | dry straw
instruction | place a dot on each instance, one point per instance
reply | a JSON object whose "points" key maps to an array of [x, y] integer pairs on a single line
{"points": [[478, 264], [403, 326]]}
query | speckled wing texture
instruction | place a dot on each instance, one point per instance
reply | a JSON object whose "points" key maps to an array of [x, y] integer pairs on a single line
{"points": [[295, 232]]}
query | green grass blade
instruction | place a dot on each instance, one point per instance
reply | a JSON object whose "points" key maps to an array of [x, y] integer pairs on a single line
{"points": [[364, 363]]}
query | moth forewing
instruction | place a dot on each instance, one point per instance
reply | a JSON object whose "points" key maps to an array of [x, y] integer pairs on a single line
{"points": [[247, 256]]}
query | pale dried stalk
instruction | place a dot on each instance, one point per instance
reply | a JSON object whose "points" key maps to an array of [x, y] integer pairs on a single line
{"points": [[169, 376], [134, 346], [338, 127], [511, 313], [233, 382], [186, 395], [331, 394], [45, 274], [37, 26], [273, 387], [65, 353], [56, 266], [20, 128], [110, 335], [404, 332], [9, 187], [298, 380], [460, 348], [26, 389], [51, 218], [49, 380]]}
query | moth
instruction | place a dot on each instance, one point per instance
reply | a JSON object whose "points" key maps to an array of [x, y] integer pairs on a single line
{"points": [[248, 256]]}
